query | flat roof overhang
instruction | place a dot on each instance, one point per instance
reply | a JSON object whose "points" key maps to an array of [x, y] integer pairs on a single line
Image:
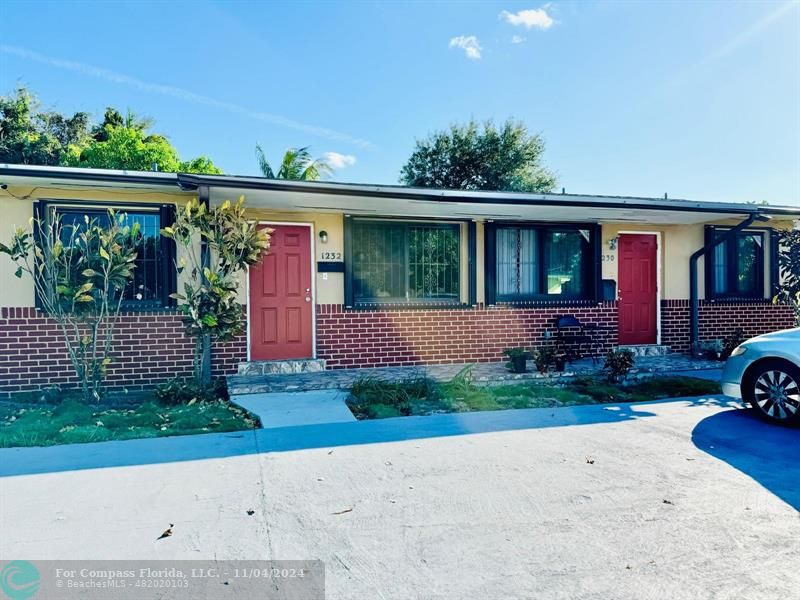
{"points": [[66, 177], [398, 201], [362, 206]]}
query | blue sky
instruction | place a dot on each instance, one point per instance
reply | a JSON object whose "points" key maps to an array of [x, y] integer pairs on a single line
{"points": [[697, 99]]}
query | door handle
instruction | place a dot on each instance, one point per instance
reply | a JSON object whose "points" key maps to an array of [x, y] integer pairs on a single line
{"points": [[308, 298]]}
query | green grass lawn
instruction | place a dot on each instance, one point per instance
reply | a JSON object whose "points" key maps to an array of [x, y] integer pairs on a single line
{"points": [[74, 422], [378, 399]]}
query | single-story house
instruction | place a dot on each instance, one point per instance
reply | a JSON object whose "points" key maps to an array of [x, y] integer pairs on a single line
{"points": [[377, 275]]}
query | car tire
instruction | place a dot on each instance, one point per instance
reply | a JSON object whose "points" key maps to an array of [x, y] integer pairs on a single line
{"points": [[772, 388]]}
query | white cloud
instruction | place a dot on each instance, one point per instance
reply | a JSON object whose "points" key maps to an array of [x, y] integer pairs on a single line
{"points": [[517, 39], [534, 17], [182, 94], [339, 161], [469, 44]]}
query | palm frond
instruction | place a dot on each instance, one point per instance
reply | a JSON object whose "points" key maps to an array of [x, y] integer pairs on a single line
{"points": [[297, 165], [263, 164], [316, 169], [294, 162]]}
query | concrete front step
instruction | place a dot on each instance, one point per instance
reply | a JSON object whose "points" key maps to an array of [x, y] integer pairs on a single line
{"points": [[281, 367], [647, 350]]}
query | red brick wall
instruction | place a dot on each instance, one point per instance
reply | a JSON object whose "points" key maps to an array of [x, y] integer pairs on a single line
{"points": [[148, 347], [718, 319], [151, 347], [367, 338]]}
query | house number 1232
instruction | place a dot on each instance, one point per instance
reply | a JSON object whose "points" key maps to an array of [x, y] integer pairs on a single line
{"points": [[331, 256]]}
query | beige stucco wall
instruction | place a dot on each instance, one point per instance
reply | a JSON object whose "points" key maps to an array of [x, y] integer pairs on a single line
{"points": [[13, 214], [677, 243]]}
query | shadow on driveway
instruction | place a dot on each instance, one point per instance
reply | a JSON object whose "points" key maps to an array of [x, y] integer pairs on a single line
{"points": [[28, 461], [767, 453]]}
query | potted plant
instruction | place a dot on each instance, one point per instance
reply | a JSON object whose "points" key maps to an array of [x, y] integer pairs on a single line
{"points": [[517, 359], [715, 349], [544, 358]]}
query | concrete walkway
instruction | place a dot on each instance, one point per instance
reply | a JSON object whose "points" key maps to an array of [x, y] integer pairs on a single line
{"points": [[686, 499], [291, 409], [479, 373]]}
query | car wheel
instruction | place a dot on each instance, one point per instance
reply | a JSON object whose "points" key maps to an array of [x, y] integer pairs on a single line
{"points": [[773, 390]]}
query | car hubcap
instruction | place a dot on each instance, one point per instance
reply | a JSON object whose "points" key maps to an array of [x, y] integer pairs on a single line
{"points": [[777, 394]]}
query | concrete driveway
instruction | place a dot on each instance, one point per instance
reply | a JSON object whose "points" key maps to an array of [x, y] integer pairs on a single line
{"points": [[684, 499]]}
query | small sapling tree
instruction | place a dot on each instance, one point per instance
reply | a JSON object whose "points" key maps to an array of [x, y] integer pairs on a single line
{"points": [[218, 244], [80, 272]]}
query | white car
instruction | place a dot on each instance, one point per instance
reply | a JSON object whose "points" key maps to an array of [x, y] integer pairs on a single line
{"points": [[765, 371]]}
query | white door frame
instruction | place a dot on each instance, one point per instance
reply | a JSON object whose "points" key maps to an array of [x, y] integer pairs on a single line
{"points": [[658, 274], [313, 252]]}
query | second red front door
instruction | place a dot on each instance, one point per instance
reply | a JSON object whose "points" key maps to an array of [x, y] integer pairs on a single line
{"points": [[281, 304], [638, 296]]}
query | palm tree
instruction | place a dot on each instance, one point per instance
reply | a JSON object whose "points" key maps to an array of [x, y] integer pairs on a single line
{"points": [[297, 165]]}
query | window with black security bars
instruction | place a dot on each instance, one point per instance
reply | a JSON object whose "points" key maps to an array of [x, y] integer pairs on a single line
{"points": [[406, 262]]}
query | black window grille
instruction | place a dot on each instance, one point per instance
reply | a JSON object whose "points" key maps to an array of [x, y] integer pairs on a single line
{"points": [[154, 275], [405, 262]]}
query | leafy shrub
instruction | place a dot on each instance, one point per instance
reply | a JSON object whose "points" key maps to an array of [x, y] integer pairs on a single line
{"points": [[544, 358], [376, 398], [618, 364], [460, 385], [183, 391], [733, 339]]}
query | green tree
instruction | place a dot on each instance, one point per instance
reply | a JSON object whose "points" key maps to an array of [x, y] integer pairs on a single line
{"points": [[113, 118], [125, 148], [201, 164], [29, 136], [124, 143], [80, 273], [209, 302], [480, 157], [297, 165]]}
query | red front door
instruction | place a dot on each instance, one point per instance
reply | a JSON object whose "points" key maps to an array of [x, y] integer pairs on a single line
{"points": [[637, 288], [280, 297]]}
